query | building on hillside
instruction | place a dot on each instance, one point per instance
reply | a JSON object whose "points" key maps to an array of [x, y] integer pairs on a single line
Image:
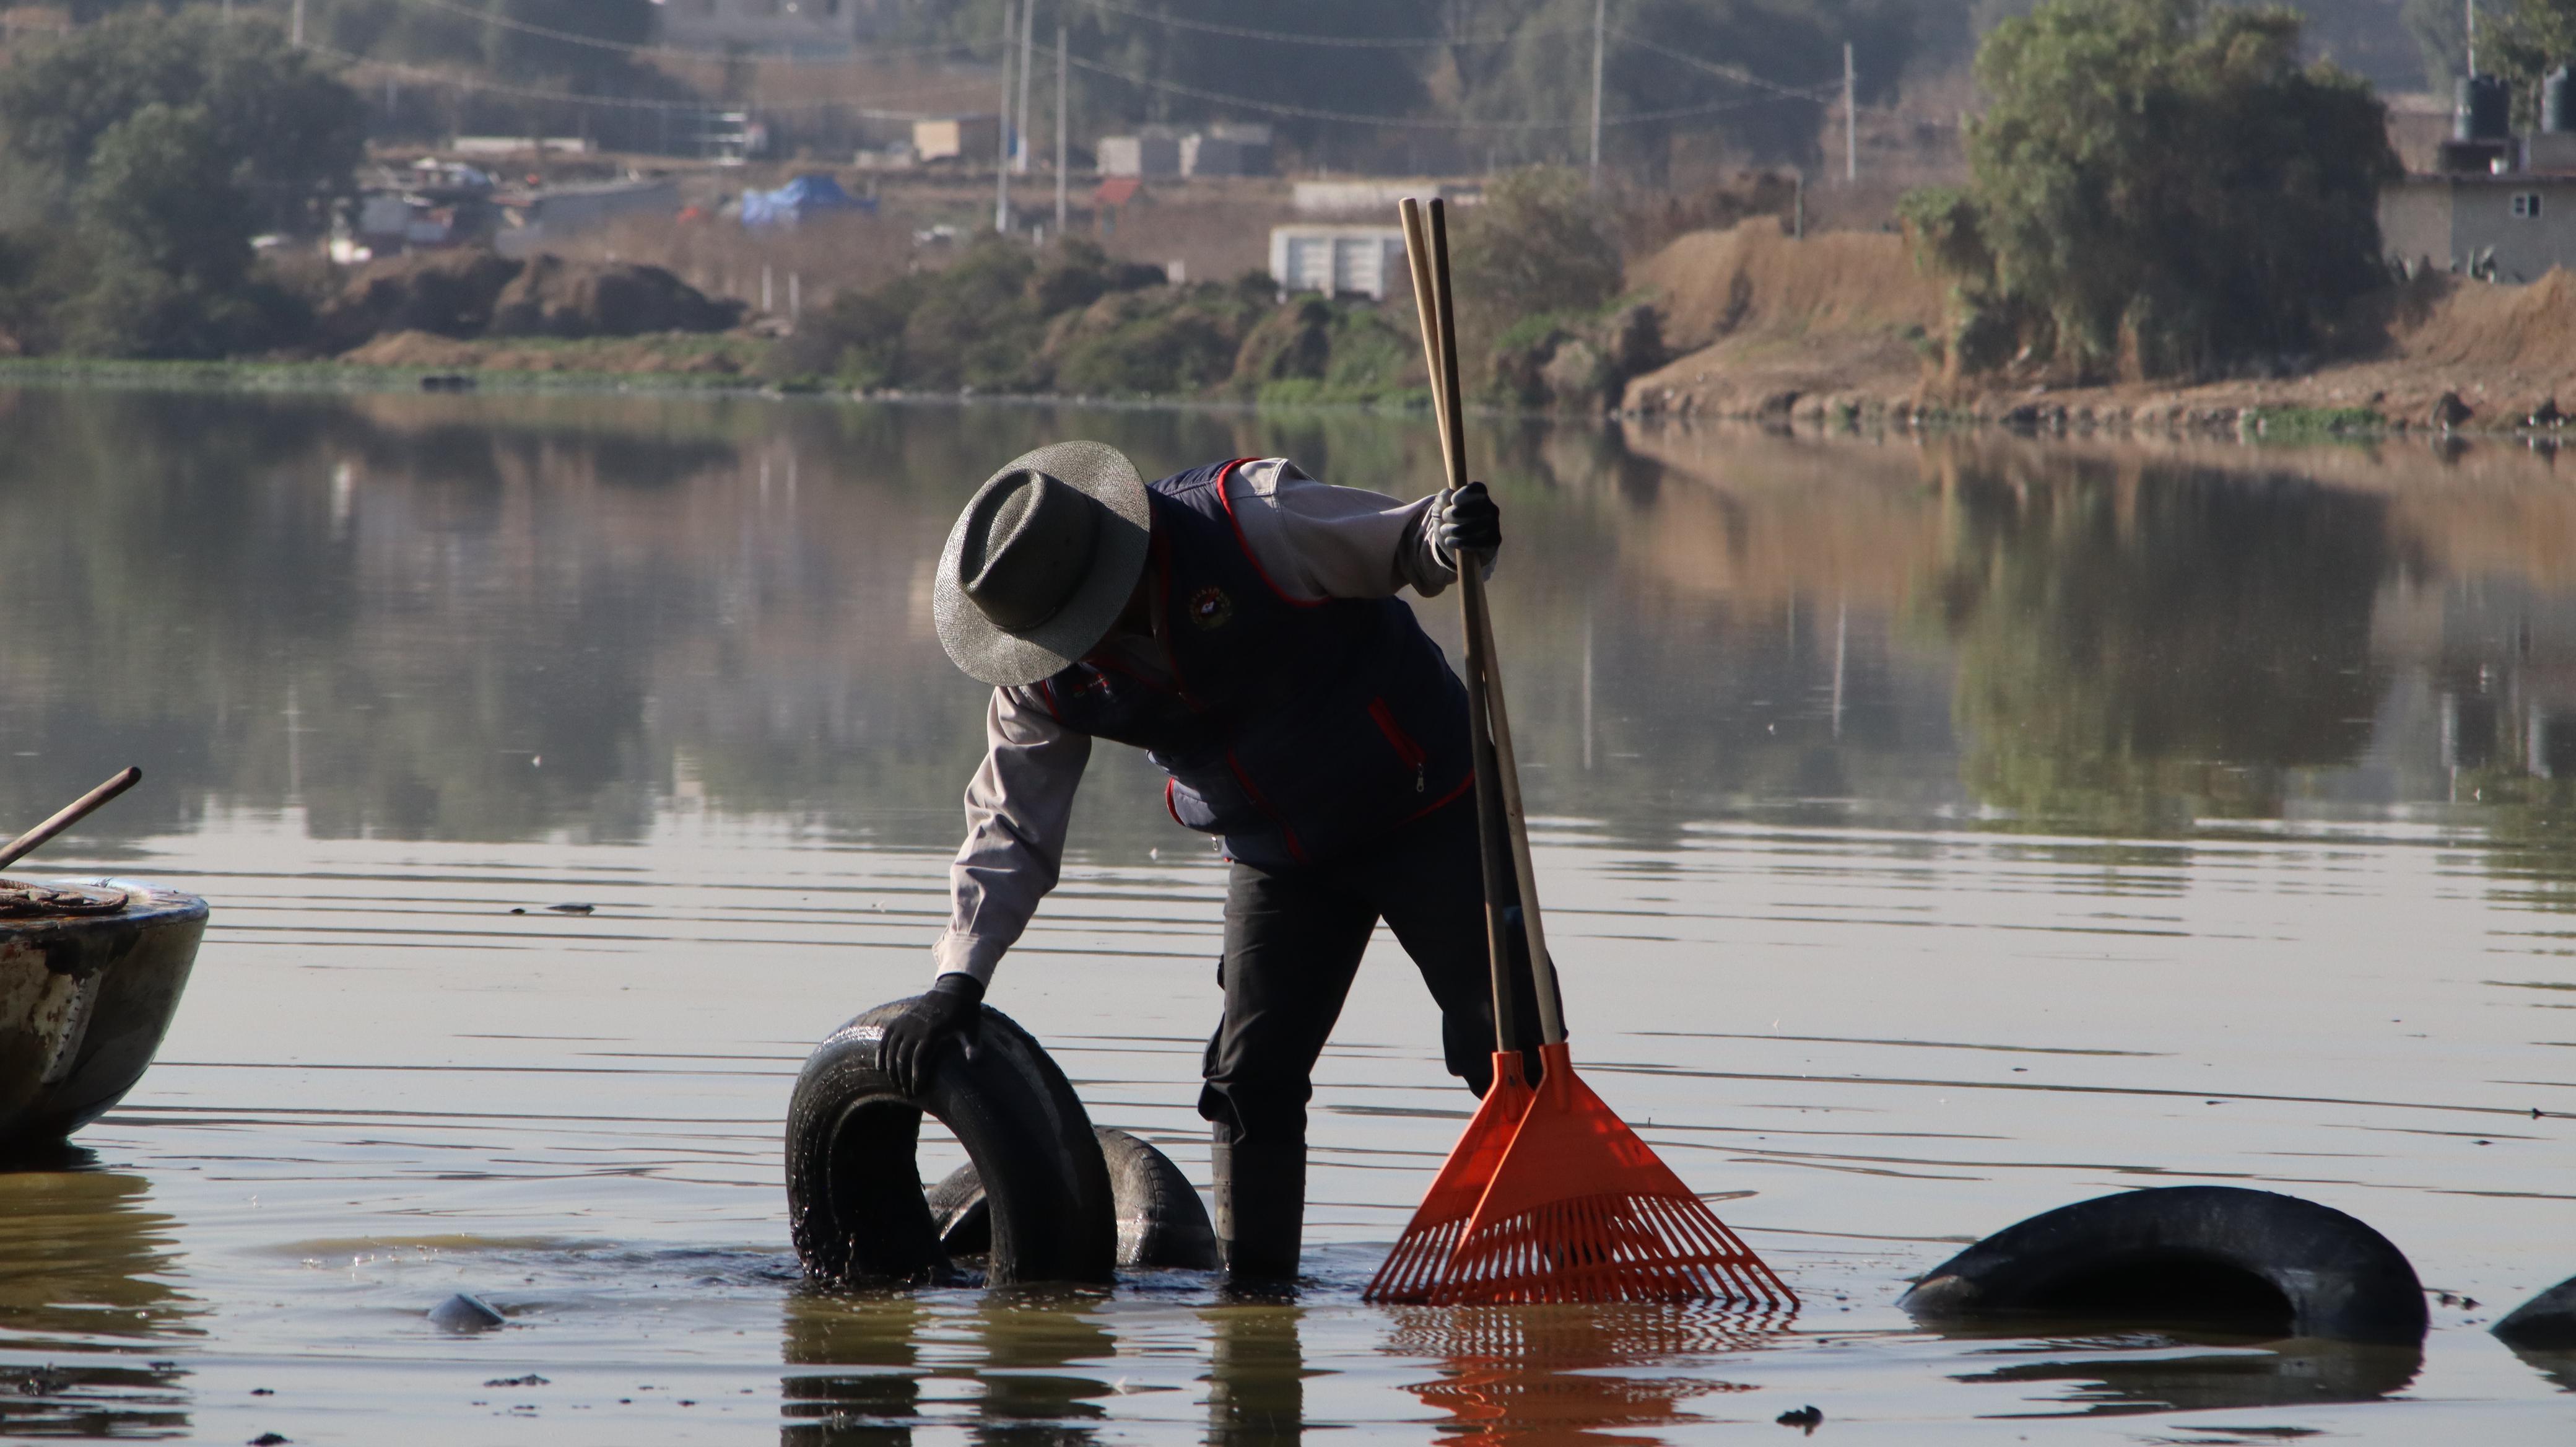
{"points": [[1147, 154], [1227, 149], [1339, 260], [2495, 205], [773, 27]]}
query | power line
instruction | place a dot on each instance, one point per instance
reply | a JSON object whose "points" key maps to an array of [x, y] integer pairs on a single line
{"points": [[1734, 73], [675, 52], [422, 76], [1312, 113], [1347, 42]]}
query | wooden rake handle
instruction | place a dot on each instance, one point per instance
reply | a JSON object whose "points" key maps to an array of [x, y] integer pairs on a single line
{"points": [[1426, 244]]}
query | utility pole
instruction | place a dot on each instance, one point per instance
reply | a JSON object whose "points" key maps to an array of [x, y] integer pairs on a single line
{"points": [[1060, 109], [1599, 9], [1001, 131], [1020, 135], [1851, 118], [295, 30], [2469, 5]]}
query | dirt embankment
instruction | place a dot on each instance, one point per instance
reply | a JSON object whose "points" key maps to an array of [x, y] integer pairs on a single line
{"points": [[1760, 322], [1766, 326]]}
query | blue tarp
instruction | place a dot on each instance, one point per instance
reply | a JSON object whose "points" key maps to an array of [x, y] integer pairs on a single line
{"points": [[791, 203]]}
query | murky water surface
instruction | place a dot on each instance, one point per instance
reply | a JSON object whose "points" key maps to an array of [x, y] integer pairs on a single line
{"points": [[1933, 835]]}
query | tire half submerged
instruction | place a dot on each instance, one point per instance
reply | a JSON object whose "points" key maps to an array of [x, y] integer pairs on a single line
{"points": [[855, 1205]]}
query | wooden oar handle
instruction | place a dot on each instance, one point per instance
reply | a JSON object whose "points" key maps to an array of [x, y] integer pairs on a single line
{"points": [[1426, 236], [1480, 743], [69, 815]]}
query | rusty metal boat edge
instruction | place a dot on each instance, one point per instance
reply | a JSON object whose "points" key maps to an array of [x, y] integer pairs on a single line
{"points": [[91, 972]]}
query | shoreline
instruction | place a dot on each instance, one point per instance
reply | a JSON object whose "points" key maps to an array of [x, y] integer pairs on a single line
{"points": [[2097, 412]]}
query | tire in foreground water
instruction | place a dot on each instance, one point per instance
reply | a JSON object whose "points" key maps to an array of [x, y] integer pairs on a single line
{"points": [[2223, 1257], [855, 1205]]}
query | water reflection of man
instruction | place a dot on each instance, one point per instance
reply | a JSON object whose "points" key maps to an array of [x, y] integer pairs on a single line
{"points": [[1237, 621]]}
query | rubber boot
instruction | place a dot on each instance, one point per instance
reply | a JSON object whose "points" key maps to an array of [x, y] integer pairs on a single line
{"points": [[1260, 1208]]}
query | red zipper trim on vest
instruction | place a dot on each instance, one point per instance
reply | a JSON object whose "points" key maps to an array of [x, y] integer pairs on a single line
{"points": [[1252, 791], [1169, 784], [1046, 695], [1405, 748], [1440, 803], [1245, 543]]}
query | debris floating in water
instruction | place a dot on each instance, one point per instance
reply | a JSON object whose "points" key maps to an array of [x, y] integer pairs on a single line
{"points": [[465, 1313], [1809, 1417], [530, 1380], [572, 908]]}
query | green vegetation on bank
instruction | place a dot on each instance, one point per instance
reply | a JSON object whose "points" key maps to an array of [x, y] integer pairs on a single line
{"points": [[1005, 318], [2160, 189]]}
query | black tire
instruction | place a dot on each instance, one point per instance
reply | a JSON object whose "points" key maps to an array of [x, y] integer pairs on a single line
{"points": [[2218, 1257], [855, 1205], [1161, 1221], [2546, 1323]]}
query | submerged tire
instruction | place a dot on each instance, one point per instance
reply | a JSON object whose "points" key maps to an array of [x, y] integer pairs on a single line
{"points": [[855, 1205], [2546, 1323], [2216, 1256], [1161, 1221]]}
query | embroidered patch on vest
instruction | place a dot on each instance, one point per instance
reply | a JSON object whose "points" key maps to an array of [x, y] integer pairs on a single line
{"points": [[1210, 607]]}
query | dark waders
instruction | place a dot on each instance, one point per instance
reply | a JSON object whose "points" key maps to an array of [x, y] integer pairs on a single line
{"points": [[1293, 941]]}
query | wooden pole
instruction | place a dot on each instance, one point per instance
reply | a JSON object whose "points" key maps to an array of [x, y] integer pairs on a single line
{"points": [[1060, 110], [1002, 132]]}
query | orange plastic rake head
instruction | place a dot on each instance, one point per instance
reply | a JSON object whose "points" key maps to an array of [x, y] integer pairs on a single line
{"points": [[1582, 1210], [1414, 1266]]}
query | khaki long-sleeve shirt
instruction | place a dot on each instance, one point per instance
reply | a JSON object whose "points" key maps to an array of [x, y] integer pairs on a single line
{"points": [[1313, 541]]}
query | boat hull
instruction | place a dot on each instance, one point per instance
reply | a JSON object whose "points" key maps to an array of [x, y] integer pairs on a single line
{"points": [[84, 1002]]}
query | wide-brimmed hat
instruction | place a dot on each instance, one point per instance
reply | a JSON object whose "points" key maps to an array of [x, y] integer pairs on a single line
{"points": [[1041, 562]]}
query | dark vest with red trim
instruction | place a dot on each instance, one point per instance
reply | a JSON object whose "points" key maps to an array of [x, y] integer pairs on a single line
{"points": [[1295, 729]]}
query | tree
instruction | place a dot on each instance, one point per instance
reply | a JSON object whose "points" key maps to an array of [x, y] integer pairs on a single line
{"points": [[2160, 188], [2524, 43], [286, 133], [1535, 248]]}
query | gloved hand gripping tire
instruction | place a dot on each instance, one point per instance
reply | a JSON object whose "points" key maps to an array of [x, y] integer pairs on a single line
{"points": [[1469, 522], [913, 1040]]}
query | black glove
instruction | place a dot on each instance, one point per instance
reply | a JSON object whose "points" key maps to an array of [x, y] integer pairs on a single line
{"points": [[912, 1042], [1469, 522]]}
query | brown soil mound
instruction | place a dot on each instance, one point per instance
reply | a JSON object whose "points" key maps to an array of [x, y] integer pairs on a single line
{"points": [[468, 293], [1753, 277], [2518, 328], [449, 293], [1760, 320], [552, 297]]}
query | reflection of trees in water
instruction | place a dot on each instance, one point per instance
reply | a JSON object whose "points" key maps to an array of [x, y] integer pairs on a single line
{"points": [[1574, 1374], [2142, 645], [896, 1350], [85, 1262], [495, 617]]}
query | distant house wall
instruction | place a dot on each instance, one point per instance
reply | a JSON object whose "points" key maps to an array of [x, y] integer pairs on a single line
{"points": [[2526, 220], [1339, 260], [2415, 221]]}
